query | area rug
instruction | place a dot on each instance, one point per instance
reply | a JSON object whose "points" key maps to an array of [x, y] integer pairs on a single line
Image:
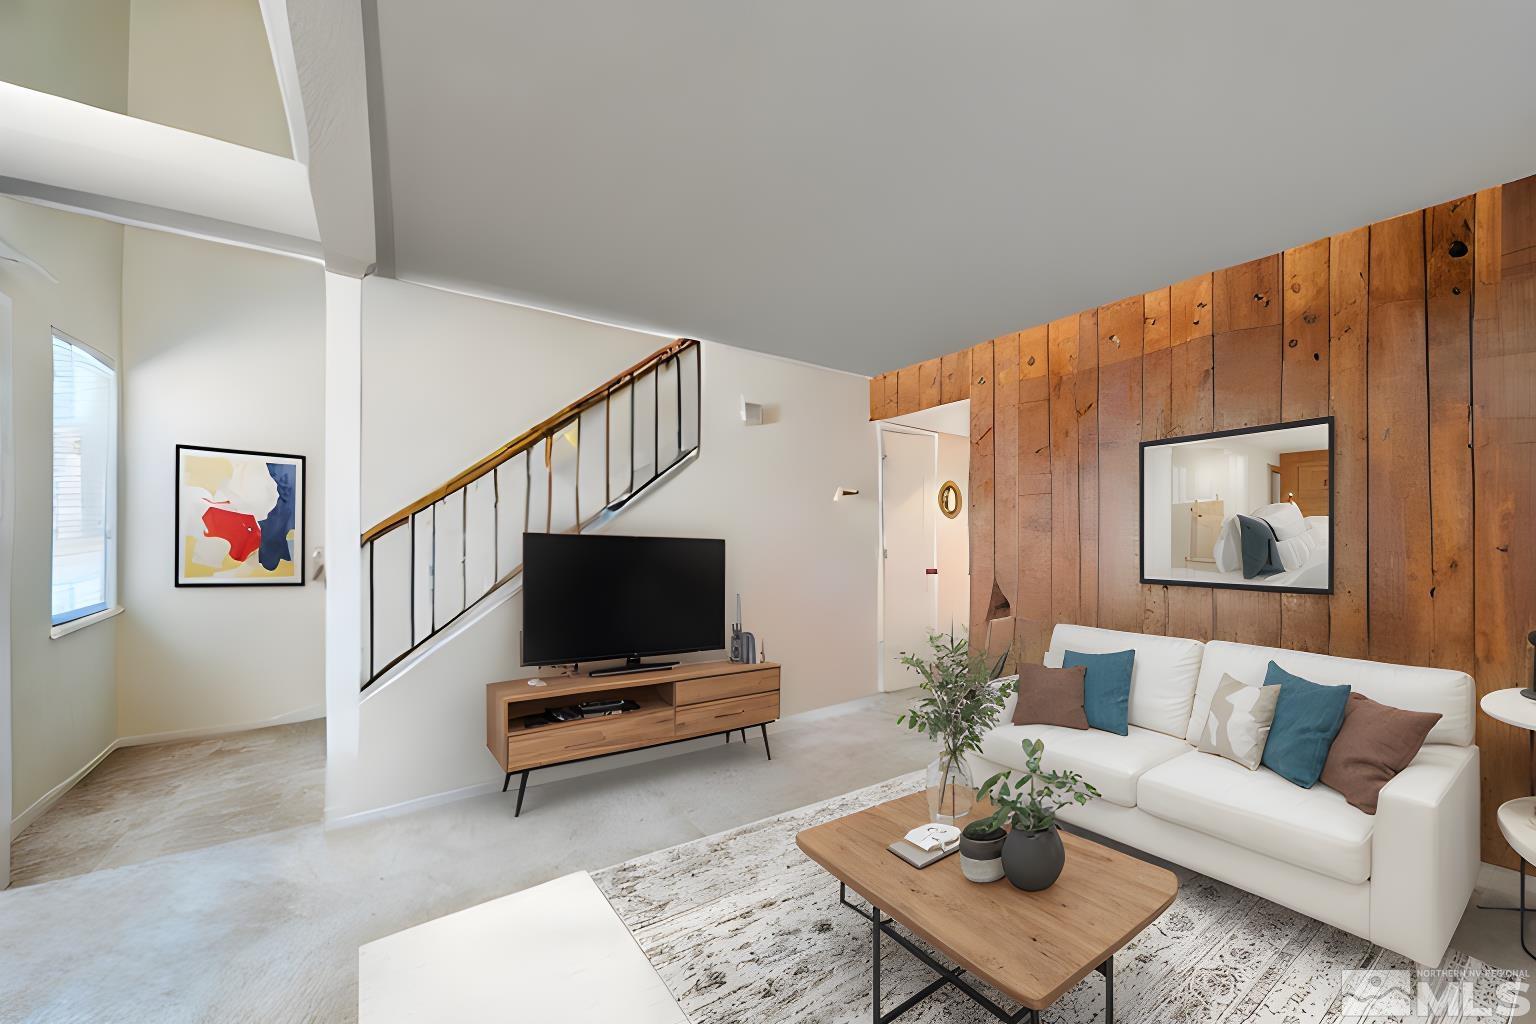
{"points": [[744, 927]]}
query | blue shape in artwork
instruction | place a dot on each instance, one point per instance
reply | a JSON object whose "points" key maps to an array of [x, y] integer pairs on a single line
{"points": [[274, 528]]}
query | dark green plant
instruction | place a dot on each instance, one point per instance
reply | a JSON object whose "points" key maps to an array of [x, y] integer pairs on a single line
{"points": [[983, 829], [1029, 799], [960, 701]]}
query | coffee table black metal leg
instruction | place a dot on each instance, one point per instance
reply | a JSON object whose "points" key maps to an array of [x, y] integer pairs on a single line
{"points": [[874, 919], [1107, 968]]}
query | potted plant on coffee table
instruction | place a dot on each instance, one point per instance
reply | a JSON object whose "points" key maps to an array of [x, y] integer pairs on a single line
{"points": [[960, 703], [1028, 801], [981, 850]]}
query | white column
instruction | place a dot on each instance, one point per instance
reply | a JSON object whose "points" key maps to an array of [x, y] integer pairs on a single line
{"points": [[343, 528]]}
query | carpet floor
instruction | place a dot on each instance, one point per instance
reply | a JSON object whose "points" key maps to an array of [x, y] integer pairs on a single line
{"points": [[743, 926]]}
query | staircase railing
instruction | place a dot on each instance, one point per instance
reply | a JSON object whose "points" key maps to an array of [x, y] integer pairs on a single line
{"points": [[439, 556]]}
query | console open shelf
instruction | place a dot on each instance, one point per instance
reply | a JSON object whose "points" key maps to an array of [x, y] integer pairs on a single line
{"points": [[685, 702]]}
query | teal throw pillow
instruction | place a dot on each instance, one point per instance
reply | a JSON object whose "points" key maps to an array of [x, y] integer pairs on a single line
{"points": [[1106, 688], [1307, 718]]}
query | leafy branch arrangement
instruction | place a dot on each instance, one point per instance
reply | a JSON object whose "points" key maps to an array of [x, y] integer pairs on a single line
{"points": [[960, 701], [1030, 799]]}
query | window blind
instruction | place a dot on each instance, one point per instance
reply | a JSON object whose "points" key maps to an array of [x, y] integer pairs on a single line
{"points": [[84, 463]]}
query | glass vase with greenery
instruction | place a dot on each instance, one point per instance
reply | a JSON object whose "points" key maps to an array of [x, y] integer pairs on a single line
{"points": [[960, 703]]}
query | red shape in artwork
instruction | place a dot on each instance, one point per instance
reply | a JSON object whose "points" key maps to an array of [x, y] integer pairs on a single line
{"points": [[241, 530]]}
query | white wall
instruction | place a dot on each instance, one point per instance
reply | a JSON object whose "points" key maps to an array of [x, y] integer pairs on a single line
{"points": [[447, 378], [205, 66], [222, 347], [63, 699], [77, 49]]}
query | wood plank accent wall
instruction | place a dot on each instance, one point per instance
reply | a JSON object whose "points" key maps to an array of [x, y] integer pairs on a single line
{"points": [[1417, 334]]}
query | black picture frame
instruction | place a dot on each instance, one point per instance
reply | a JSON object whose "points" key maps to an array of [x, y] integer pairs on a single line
{"points": [[299, 517], [1141, 509]]}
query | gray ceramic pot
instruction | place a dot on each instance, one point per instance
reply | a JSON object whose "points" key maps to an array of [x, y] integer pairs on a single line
{"points": [[1033, 860], [981, 860]]}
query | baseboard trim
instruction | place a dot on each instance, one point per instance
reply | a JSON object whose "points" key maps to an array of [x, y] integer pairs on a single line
{"points": [[308, 714], [41, 805], [415, 804]]}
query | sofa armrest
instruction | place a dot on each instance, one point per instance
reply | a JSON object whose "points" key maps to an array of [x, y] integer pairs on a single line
{"points": [[1425, 852]]}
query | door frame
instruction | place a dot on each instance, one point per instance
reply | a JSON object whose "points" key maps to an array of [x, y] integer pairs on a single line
{"points": [[884, 428]]}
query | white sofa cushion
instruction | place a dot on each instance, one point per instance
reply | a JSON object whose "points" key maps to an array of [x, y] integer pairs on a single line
{"points": [[1448, 692], [1312, 828], [1111, 763], [1163, 675]]}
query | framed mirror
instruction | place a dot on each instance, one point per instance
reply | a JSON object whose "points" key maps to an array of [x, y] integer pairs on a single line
{"points": [[949, 499], [1250, 509]]}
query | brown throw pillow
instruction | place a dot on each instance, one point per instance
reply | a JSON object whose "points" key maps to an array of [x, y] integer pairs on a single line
{"points": [[1374, 744], [1051, 696]]}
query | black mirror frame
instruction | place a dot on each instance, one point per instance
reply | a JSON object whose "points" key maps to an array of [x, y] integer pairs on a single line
{"points": [[1141, 506]]}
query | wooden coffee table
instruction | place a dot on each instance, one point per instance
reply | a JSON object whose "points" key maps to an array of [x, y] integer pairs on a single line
{"points": [[1031, 946]]}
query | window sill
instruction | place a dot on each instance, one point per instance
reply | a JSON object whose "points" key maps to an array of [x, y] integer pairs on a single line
{"points": [[64, 629]]}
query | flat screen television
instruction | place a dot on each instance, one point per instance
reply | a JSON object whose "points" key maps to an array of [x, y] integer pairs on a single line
{"points": [[596, 597]]}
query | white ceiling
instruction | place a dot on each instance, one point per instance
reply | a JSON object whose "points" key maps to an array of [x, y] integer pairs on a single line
{"points": [[867, 183]]}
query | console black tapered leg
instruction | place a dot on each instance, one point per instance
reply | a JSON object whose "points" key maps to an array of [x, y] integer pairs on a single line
{"points": [[506, 782], [522, 787], [766, 748], [728, 735]]}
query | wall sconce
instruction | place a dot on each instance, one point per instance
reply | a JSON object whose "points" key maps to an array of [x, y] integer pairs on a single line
{"points": [[751, 412], [844, 492]]}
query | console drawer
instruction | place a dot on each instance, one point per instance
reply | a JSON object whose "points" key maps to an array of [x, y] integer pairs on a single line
{"points": [[721, 715], [567, 741], [734, 684]]}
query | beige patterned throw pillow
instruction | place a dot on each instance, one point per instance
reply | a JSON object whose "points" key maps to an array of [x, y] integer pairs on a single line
{"points": [[1238, 724]]}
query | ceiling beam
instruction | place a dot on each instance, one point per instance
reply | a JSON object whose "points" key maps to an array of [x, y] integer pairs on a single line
{"points": [[328, 42], [78, 157]]}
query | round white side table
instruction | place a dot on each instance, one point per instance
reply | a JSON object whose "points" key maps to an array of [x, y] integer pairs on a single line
{"points": [[1517, 818]]}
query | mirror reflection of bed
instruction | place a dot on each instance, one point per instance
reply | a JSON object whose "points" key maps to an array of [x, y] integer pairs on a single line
{"points": [[1245, 508]]}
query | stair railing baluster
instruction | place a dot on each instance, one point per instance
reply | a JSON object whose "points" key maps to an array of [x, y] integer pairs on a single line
{"points": [[372, 611], [548, 433], [412, 528]]}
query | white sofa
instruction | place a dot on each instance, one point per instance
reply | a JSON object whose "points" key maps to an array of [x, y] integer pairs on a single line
{"points": [[1400, 878]]}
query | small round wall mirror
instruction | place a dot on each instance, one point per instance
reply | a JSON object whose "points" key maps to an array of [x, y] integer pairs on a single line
{"points": [[949, 499]]}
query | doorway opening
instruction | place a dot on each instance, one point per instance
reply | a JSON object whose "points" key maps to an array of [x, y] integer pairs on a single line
{"points": [[925, 544]]}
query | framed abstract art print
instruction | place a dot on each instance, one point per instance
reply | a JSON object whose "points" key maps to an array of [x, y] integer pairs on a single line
{"points": [[239, 518]]}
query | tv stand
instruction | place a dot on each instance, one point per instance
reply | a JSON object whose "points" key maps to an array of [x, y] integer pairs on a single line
{"points": [[685, 702], [632, 665]]}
